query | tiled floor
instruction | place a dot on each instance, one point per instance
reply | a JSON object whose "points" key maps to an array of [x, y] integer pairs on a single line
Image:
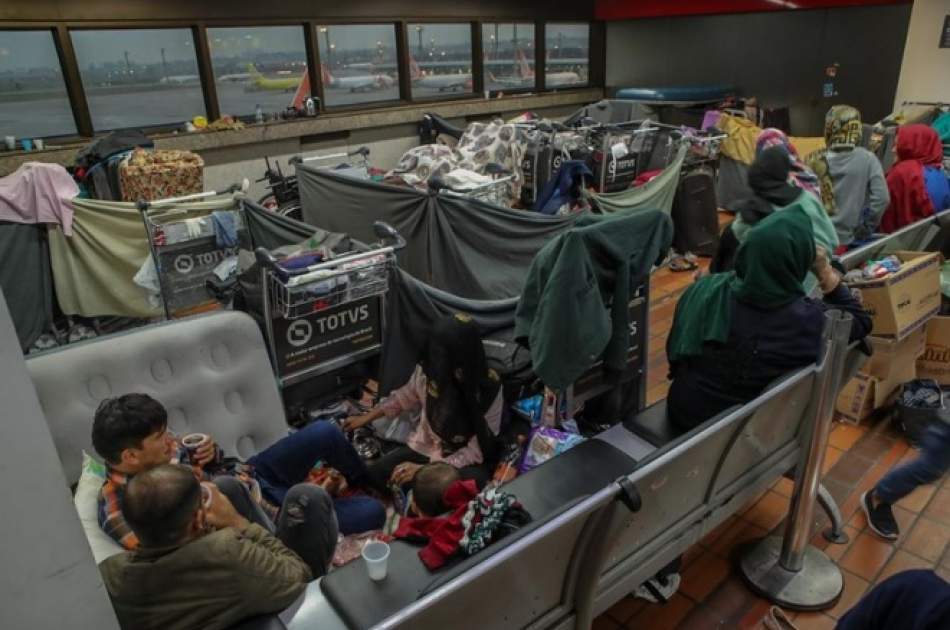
{"points": [[712, 595]]}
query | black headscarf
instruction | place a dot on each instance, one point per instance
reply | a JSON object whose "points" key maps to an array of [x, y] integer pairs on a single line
{"points": [[461, 388], [768, 179]]}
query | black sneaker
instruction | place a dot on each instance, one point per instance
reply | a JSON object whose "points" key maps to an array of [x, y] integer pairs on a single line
{"points": [[880, 517]]}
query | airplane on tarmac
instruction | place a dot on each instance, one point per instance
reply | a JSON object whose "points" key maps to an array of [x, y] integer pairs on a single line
{"points": [[525, 75], [181, 79], [441, 82], [356, 83], [262, 83]]}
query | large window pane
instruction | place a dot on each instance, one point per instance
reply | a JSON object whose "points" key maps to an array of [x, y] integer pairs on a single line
{"points": [[509, 56], [359, 64], [139, 77], [567, 51], [440, 59], [33, 101], [258, 66]]}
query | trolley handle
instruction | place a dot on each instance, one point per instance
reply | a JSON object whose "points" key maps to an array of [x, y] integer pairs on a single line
{"points": [[144, 206], [385, 231], [362, 151]]}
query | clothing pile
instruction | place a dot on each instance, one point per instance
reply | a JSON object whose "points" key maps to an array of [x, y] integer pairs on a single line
{"points": [[874, 270], [476, 521], [481, 144], [922, 394]]}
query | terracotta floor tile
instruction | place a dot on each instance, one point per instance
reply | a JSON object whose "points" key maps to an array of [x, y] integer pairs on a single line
{"points": [[752, 620], [850, 469], [784, 487], [657, 393], [663, 308], [928, 539], [604, 622], [844, 436], [661, 328], [939, 508], [718, 531], [835, 552], [626, 608], [858, 520], [736, 537], [768, 512], [690, 555], [874, 446], [703, 576], [702, 618], [732, 597], [917, 500], [905, 519], [814, 621], [902, 561], [854, 588], [662, 617], [832, 455], [867, 556]]}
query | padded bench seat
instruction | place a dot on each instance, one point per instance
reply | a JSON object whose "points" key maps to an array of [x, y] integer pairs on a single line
{"points": [[545, 492], [653, 425]]}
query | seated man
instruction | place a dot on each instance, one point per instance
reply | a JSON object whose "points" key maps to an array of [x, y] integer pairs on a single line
{"points": [[199, 563], [131, 434]]}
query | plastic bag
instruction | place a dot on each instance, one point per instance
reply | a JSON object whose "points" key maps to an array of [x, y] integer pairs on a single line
{"points": [[545, 443]]}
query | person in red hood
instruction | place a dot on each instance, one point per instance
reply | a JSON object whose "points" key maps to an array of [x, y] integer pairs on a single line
{"points": [[917, 184]]}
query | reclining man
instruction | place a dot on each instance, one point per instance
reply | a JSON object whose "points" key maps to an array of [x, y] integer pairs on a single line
{"points": [[199, 563], [131, 434]]}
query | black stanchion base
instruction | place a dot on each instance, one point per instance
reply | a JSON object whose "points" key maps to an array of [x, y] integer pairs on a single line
{"points": [[816, 587]]}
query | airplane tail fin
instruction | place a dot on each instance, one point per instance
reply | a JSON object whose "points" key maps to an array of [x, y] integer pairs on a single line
{"points": [[524, 70], [252, 70], [325, 75], [414, 72], [303, 91]]}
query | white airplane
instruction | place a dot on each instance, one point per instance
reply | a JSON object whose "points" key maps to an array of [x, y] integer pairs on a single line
{"points": [[440, 82], [356, 83], [524, 76], [238, 77], [181, 79]]}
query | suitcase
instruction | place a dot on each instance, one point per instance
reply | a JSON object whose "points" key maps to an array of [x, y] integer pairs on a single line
{"points": [[151, 175], [695, 215]]}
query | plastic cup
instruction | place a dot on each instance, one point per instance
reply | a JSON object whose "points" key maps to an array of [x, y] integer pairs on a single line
{"points": [[10, 142], [27, 144], [376, 556], [193, 441], [40, 145]]}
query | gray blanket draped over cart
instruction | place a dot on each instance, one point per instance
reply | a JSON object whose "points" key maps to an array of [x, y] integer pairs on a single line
{"points": [[470, 248], [26, 279], [412, 307], [656, 194], [93, 268]]}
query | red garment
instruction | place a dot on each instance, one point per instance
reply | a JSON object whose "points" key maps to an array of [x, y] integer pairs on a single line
{"points": [[917, 146], [443, 532], [644, 177]]}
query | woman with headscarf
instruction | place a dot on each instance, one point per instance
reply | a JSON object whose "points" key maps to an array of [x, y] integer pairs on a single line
{"points": [[776, 182], [917, 183], [851, 178], [734, 333], [456, 402], [799, 175]]}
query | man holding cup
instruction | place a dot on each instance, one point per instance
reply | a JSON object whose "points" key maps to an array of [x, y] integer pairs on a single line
{"points": [[130, 433], [199, 562]]}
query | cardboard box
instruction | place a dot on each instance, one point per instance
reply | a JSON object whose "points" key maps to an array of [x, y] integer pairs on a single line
{"points": [[903, 301], [875, 386], [935, 361]]}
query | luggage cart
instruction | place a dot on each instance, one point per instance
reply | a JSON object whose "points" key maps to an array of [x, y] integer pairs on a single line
{"points": [[328, 315], [493, 192], [358, 170], [185, 252]]}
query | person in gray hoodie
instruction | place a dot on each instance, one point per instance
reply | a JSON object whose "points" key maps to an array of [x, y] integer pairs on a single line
{"points": [[853, 188]]}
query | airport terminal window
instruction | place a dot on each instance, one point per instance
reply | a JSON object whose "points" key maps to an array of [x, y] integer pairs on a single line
{"points": [[33, 101], [440, 60], [358, 64], [567, 55], [139, 77], [509, 56], [258, 66]]}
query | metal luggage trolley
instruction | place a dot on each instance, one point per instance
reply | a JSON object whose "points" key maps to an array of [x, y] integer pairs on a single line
{"points": [[185, 252], [330, 314], [358, 170]]}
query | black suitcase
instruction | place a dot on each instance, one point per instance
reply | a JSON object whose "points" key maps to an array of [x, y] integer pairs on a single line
{"points": [[695, 215]]}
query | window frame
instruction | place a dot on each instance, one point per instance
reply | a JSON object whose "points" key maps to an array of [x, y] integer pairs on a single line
{"points": [[590, 48], [82, 117]]}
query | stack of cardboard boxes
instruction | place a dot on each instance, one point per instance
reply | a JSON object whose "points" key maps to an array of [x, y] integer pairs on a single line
{"points": [[908, 338]]}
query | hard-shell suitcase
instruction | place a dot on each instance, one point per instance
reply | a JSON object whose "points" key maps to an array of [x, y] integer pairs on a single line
{"points": [[695, 216]]}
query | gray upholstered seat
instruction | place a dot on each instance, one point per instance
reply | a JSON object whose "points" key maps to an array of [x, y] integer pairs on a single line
{"points": [[211, 372]]}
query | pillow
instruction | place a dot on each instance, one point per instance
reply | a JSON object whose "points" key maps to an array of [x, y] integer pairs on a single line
{"points": [[86, 501]]}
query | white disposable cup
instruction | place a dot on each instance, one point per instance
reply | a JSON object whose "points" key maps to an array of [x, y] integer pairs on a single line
{"points": [[39, 144], [376, 556], [194, 440], [10, 142]]}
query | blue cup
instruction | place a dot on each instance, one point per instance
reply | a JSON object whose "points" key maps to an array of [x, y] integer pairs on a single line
{"points": [[27, 144]]}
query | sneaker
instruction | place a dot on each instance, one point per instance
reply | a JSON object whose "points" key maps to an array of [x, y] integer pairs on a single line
{"points": [[880, 517], [659, 590]]}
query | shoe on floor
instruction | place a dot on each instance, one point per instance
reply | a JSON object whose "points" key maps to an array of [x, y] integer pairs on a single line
{"points": [[659, 590], [880, 517]]}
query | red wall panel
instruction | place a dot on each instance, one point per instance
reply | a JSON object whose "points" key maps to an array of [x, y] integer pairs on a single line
{"points": [[630, 9]]}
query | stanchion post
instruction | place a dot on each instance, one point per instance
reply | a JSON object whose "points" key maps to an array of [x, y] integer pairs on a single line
{"points": [[787, 570]]}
